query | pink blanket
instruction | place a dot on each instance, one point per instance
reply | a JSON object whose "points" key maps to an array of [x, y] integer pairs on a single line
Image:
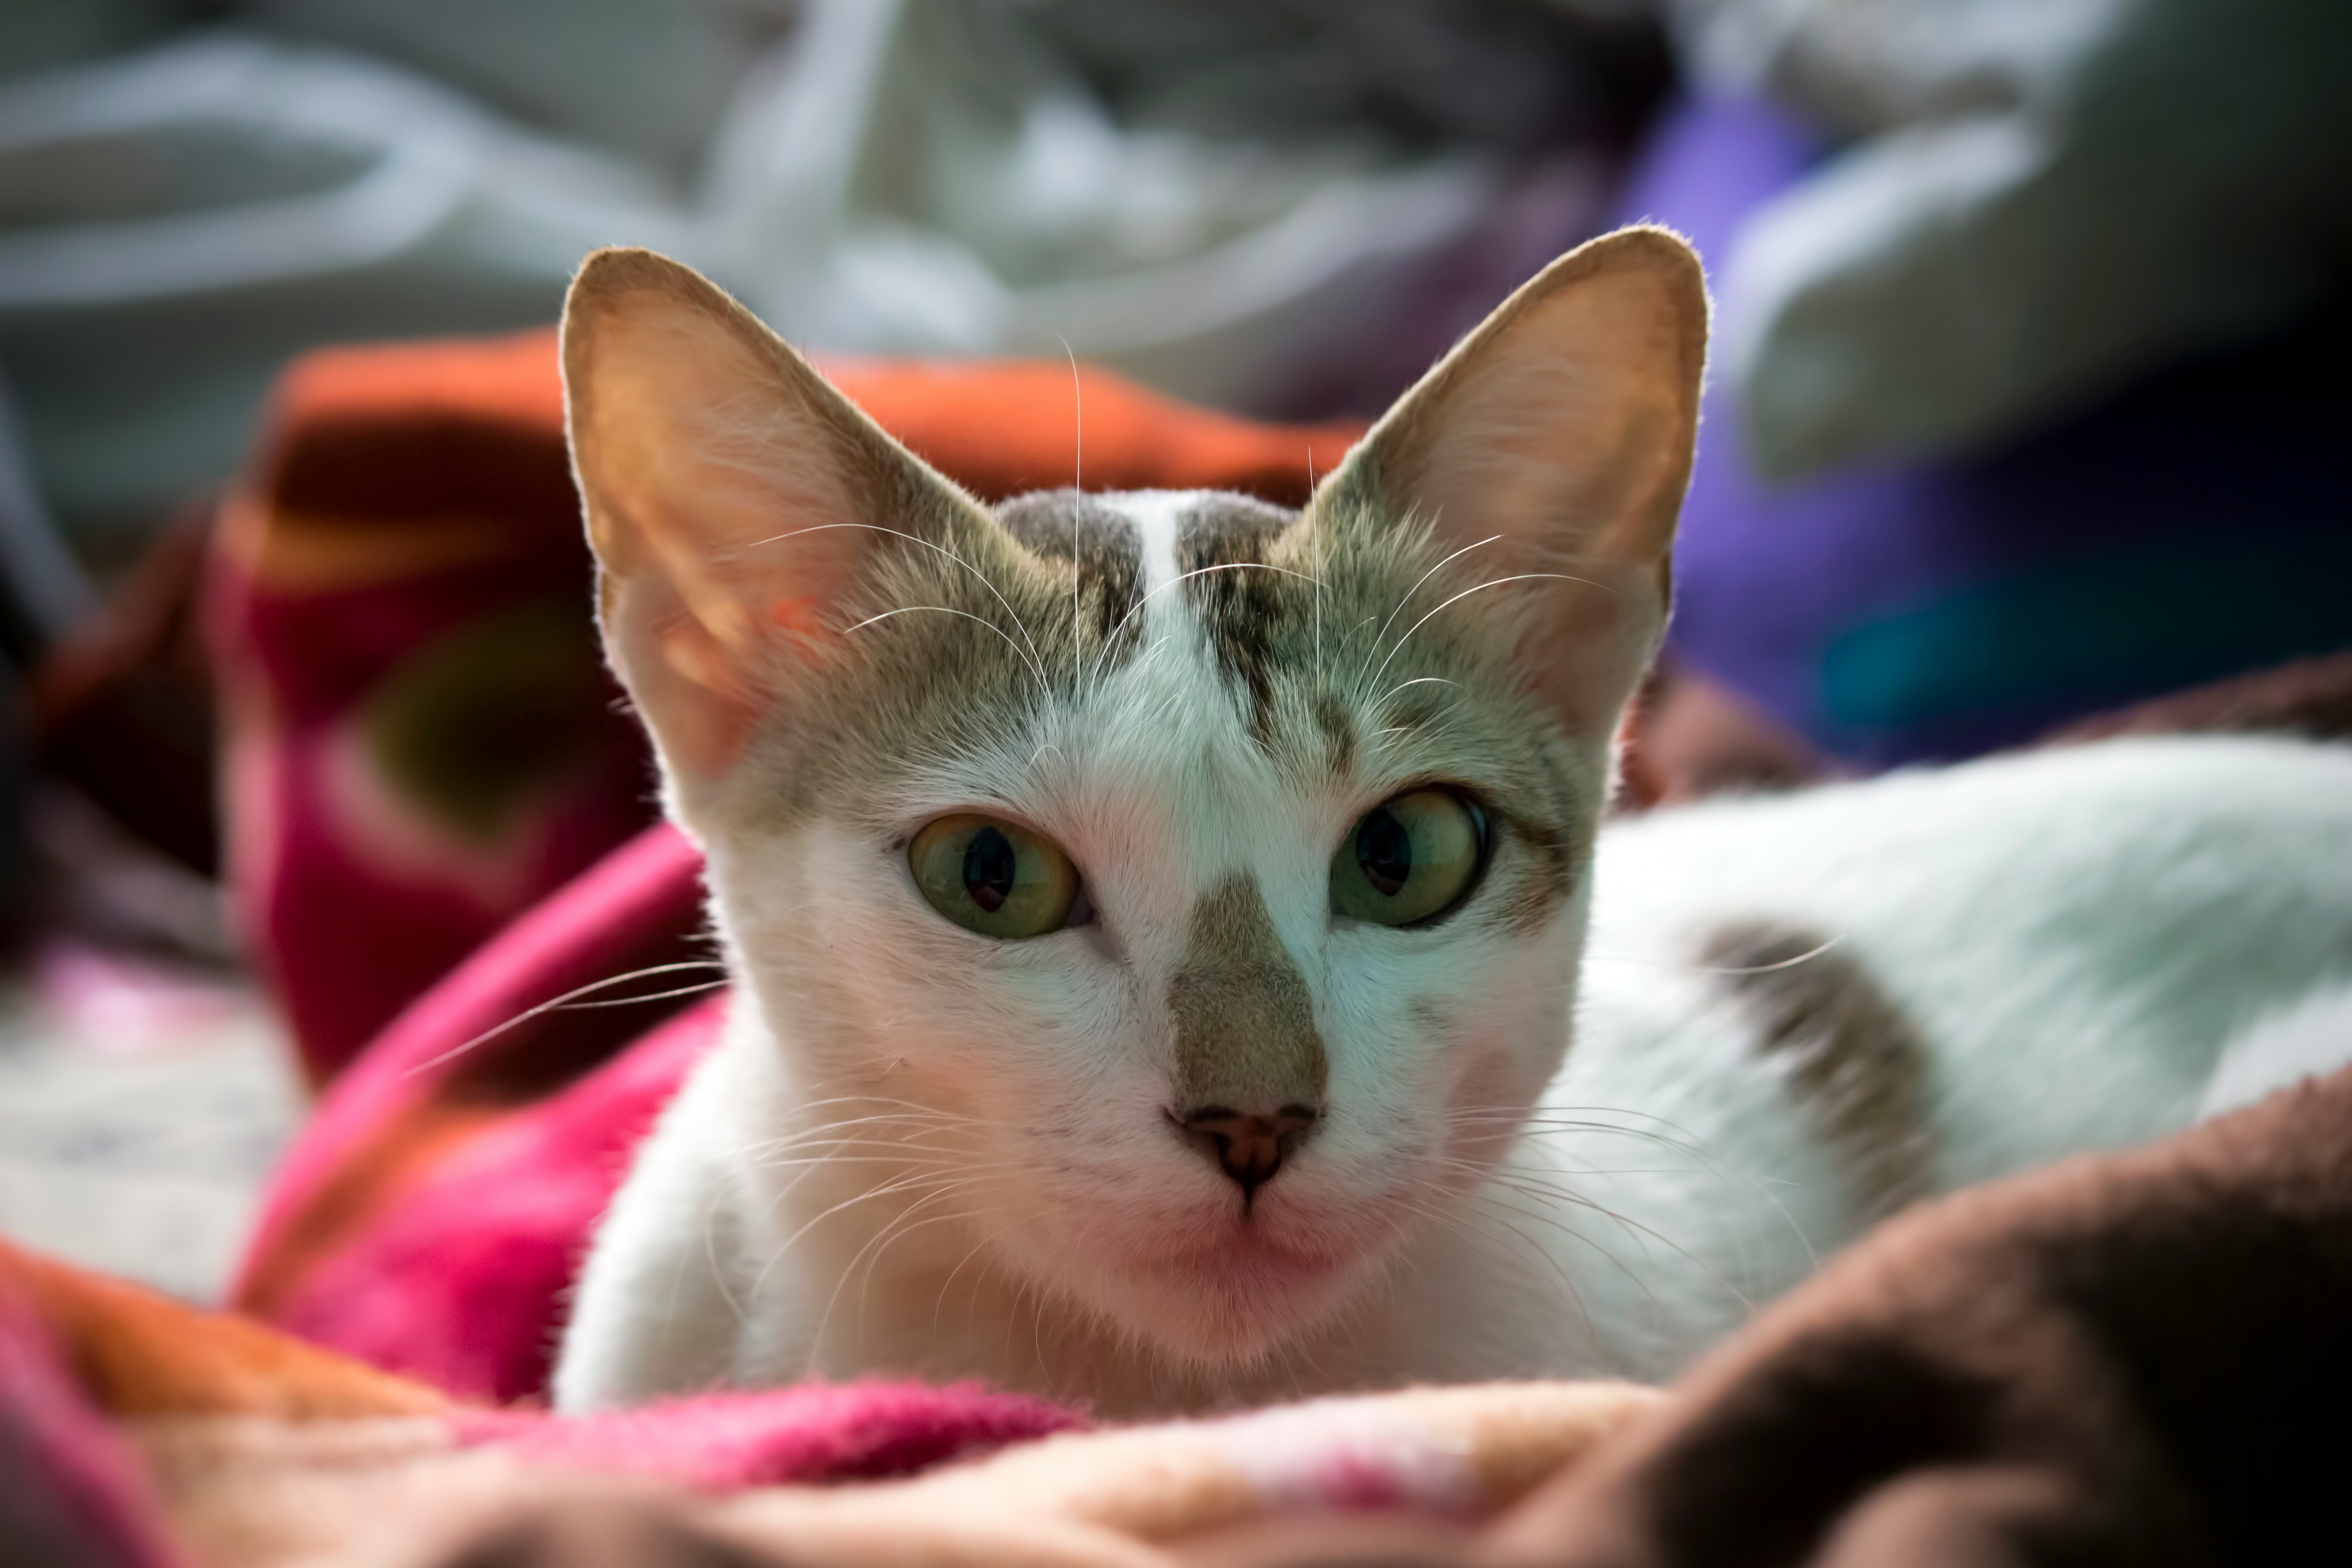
{"points": [[431, 1214]]}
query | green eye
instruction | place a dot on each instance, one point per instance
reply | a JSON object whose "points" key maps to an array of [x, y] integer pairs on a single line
{"points": [[995, 878], [1410, 859]]}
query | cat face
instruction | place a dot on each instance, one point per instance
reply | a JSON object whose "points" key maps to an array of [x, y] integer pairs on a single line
{"points": [[1166, 900]]}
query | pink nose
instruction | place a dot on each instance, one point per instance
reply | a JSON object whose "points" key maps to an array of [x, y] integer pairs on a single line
{"points": [[1249, 1149]]}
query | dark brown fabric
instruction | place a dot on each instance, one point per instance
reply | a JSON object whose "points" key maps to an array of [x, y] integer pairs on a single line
{"points": [[122, 707], [1689, 736], [2137, 1358], [2311, 697]]}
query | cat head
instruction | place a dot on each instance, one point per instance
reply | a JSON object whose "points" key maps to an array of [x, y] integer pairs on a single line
{"points": [[1195, 885]]}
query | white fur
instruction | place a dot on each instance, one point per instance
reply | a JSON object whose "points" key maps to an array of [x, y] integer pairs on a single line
{"points": [[2081, 934], [2307, 1039]]}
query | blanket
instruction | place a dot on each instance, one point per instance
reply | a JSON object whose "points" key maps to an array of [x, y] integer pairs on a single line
{"points": [[2128, 1358], [139, 1433]]}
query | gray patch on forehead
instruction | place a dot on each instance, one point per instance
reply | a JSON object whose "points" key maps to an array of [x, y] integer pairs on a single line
{"points": [[1857, 1065], [1221, 525], [1338, 727], [1246, 605], [1103, 544]]}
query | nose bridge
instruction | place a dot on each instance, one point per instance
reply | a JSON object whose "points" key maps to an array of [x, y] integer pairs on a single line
{"points": [[1245, 1039]]}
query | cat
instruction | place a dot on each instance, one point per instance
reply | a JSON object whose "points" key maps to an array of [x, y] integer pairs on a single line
{"points": [[1177, 958]]}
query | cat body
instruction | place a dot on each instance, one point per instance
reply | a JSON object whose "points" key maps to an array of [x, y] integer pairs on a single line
{"points": [[1177, 959], [2016, 980]]}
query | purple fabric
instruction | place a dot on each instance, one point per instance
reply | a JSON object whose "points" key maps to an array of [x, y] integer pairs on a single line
{"points": [[2175, 513]]}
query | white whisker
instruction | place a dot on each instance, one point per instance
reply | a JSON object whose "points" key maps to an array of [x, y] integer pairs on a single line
{"points": [[1381, 635], [1805, 957], [570, 1000], [1077, 483], [1480, 588], [928, 544], [1418, 680], [1035, 668]]}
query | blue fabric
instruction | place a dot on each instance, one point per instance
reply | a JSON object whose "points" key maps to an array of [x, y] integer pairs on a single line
{"points": [[2188, 530]]}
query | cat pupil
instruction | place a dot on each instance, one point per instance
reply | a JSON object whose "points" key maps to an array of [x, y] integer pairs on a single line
{"points": [[1384, 850], [988, 865]]}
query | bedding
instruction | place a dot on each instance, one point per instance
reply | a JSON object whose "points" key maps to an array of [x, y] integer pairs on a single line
{"points": [[141, 1433], [2182, 526], [2125, 1358], [2132, 1357]]}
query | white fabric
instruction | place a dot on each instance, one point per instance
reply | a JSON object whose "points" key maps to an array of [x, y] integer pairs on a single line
{"points": [[2047, 197], [935, 177]]}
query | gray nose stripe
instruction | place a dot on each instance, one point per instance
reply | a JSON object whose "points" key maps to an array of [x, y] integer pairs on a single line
{"points": [[1246, 1039]]}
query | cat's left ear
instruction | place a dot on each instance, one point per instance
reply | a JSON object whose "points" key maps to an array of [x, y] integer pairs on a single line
{"points": [[736, 503], [1552, 447]]}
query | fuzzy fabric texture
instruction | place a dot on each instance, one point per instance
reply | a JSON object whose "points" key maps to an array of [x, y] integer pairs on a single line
{"points": [[2130, 1358], [71, 1492], [431, 1213], [142, 1434], [275, 1495], [2125, 1358]]}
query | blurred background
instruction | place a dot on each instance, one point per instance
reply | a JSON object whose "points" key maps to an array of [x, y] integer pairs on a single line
{"points": [[2025, 405]]}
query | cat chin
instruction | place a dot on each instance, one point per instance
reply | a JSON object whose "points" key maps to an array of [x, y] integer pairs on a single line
{"points": [[1218, 1313], [1231, 1294]]}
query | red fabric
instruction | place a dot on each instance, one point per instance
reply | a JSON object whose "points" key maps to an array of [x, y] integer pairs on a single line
{"points": [[460, 1283], [429, 1216], [811, 1433], [71, 1492], [80, 1353], [406, 503]]}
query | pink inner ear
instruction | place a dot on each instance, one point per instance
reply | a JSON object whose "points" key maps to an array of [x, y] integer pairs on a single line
{"points": [[706, 696], [802, 618], [694, 694]]}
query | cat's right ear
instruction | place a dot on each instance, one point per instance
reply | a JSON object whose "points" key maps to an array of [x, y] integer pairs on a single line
{"points": [[733, 497]]}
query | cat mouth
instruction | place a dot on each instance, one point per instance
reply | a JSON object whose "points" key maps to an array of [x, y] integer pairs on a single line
{"points": [[1218, 1288], [1245, 1252]]}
